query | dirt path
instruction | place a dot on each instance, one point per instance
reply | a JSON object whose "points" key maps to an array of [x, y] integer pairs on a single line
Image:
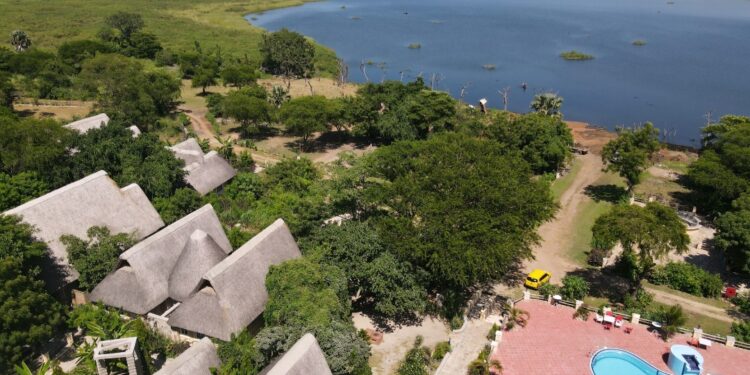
{"points": [[690, 305], [201, 126], [557, 234], [465, 347]]}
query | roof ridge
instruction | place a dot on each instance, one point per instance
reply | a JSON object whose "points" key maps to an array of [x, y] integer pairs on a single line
{"points": [[55, 193]]}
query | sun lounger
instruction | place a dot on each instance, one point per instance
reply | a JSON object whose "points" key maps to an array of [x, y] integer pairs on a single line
{"points": [[618, 321]]}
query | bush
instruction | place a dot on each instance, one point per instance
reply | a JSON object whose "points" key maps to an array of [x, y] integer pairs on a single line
{"points": [[688, 278], [596, 256], [639, 303], [671, 319], [441, 350], [741, 331], [581, 313], [742, 301], [491, 334], [548, 289], [457, 322], [417, 360], [574, 287]]}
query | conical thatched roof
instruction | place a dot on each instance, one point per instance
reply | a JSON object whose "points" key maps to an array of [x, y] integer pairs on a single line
{"points": [[303, 358], [88, 123], [95, 200], [204, 172], [197, 360], [143, 278], [233, 293]]}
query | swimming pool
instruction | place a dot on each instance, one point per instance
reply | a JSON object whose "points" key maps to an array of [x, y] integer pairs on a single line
{"points": [[621, 362]]}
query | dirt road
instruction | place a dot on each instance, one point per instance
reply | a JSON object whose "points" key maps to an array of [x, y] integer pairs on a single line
{"points": [[690, 305], [557, 234]]}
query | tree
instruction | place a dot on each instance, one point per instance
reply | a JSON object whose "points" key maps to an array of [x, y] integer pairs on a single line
{"points": [[547, 104], [18, 189], [96, 256], [30, 315], [544, 141], [630, 152], [74, 52], [417, 360], [180, 204], [645, 233], [733, 238], [574, 287], [20, 40], [204, 77], [32, 145], [248, 110], [7, 91], [472, 219], [142, 45], [721, 174], [125, 24], [671, 320], [239, 356], [287, 53], [305, 115], [295, 175], [239, 75], [383, 284]]}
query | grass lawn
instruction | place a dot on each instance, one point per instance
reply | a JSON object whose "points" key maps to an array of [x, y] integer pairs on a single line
{"points": [[561, 185], [658, 186], [588, 212], [177, 23], [717, 302]]}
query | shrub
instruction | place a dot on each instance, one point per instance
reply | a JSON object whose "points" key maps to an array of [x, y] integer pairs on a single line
{"points": [[548, 289], [596, 256], [741, 331], [742, 301], [491, 334], [574, 287], [671, 319], [581, 313], [688, 278], [417, 360], [441, 350], [639, 302], [457, 322]]}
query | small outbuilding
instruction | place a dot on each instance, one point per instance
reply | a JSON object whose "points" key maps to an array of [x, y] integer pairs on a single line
{"points": [[205, 172]]}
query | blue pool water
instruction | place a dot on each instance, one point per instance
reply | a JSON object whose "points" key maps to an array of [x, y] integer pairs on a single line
{"points": [[695, 60], [620, 362]]}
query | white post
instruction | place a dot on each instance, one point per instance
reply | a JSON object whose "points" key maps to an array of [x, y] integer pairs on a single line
{"points": [[578, 304], [499, 335], [697, 333], [730, 341], [526, 295], [636, 318]]}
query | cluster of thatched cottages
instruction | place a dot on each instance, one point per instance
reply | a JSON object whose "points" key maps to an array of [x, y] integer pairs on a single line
{"points": [[184, 279]]}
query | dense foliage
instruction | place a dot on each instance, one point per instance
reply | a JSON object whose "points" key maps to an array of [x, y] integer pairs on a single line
{"points": [[455, 206], [688, 278], [20, 188], [417, 360], [180, 204], [287, 53], [97, 255], [645, 233], [29, 316]]}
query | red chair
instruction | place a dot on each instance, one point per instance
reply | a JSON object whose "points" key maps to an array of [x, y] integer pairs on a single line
{"points": [[607, 327], [628, 330]]}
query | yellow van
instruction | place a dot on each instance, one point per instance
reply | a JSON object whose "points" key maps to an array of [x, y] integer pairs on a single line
{"points": [[537, 278]]}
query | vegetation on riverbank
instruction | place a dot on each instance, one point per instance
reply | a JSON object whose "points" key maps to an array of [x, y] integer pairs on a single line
{"points": [[574, 55], [178, 24]]}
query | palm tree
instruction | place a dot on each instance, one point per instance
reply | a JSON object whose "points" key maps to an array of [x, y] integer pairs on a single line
{"points": [[517, 316], [20, 40], [671, 320], [25, 370], [547, 104], [112, 332]]}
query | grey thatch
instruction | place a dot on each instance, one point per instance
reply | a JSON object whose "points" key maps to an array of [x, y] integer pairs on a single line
{"points": [[233, 293], [88, 123], [168, 264], [204, 172], [303, 358], [95, 200], [197, 360]]}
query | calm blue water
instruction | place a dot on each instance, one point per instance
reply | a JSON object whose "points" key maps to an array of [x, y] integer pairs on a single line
{"points": [[620, 362], [697, 57]]}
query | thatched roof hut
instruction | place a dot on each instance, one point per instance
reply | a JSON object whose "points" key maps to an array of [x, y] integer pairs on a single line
{"points": [[303, 358], [233, 294], [168, 264], [197, 360], [205, 172], [88, 123], [95, 200]]}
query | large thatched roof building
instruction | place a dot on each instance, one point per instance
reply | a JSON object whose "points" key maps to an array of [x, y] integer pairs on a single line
{"points": [[168, 264], [95, 200], [233, 293], [303, 358], [186, 274], [88, 123], [197, 360], [205, 172]]}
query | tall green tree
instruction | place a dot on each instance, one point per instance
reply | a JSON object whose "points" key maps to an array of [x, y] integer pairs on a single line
{"points": [[7, 91], [20, 188], [248, 110], [455, 206], [305, 115], [239, 75], [31, 145], [733, 237], [547, 104], [96, 256], [121, 26], [645, 233], [630, 153], [287, 53]]}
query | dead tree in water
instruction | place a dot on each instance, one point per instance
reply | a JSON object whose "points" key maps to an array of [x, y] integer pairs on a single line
{"points": [[363, 68], [343, 72], [504, 94], [463, 90], [435, 80]]}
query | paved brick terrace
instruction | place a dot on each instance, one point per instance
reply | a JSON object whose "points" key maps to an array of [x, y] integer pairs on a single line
{"points": [[555, 343]]}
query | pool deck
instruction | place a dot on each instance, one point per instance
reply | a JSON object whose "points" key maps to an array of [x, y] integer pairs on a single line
{"points": [[555, 343]]}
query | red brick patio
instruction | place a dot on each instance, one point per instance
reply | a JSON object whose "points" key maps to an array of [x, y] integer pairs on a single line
{"points": [[555, 343]]}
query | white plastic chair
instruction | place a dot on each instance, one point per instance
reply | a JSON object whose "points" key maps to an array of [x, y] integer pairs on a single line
{"points": [[598, 318]]}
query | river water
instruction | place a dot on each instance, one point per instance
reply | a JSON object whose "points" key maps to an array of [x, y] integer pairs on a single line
{"points": [[696, 59]]}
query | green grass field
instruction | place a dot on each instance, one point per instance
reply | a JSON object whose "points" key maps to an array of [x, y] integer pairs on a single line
{"points": [[177, 23], [559, 186]]}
